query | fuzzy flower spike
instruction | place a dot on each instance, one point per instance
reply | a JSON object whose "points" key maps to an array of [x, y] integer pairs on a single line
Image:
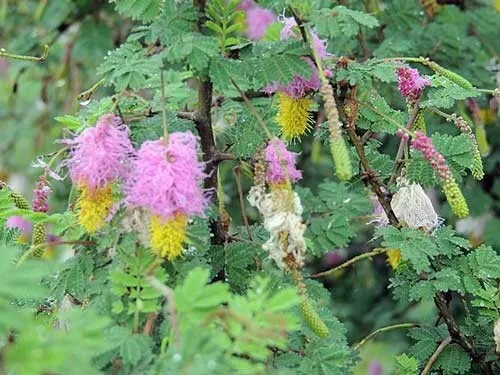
{"points": [[411, 85], [294, 100], [451, 189], [99, 158], [166, 181], [280, 164]]}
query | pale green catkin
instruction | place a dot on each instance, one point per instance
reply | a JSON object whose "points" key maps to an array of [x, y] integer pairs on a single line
{"points": [[38, 239], [19, 201], [338, 148], [312, 318], [452, 76], [455, 198], [477, 162]]}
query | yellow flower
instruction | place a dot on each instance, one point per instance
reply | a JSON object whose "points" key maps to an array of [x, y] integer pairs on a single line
{"points": [[293, 115], [94, 206], [167, 237], [496, 5], [394, 258]]}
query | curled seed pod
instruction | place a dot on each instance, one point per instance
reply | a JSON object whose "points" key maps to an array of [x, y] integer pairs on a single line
{"points": [[38, 239], [452, 76], [312, 318], [338, 147], [341, 159], [455, 198], [19, 201]]}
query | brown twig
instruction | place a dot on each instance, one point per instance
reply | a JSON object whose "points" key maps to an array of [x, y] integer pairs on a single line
{"points": [[237, 177], [149, 325], [168, 293], [435, 355], [458, 337], [398, 162]]}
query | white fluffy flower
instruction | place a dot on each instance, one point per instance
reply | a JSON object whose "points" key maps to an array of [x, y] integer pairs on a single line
{"points": [[281, 213]]}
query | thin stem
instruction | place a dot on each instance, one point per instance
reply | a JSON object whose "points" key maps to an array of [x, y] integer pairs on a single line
{"points": [[384, 329], [87, 94], [435, 355], [398, 161], [252, 109], [163, 109], [54, 158], [41, 59], [350, 261], [168, 293], [32, 250], [237, 176]]}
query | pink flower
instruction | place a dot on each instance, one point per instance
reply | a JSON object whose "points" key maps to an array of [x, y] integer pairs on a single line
{"points": [[41, 195], [375, 368], [258, 20], [288, 32], [299, 86], [167, 179], [21, 224], [100, 154], [411, 83], [423, 144], [280, 163], [319, 46], [246, 4]]}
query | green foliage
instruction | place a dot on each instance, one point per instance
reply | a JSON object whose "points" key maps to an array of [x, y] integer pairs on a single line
{"points": [[333, 214], [105, 304], [144, 10], [457, 152]]}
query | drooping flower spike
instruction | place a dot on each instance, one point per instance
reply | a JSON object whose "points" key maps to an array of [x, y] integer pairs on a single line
{"points": [[99, 158], [411, 85], [166, 180], [280, 163], [258, 20], [451, 189], [294, 102]]}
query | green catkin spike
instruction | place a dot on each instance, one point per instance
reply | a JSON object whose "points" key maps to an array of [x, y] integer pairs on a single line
{"points": [[420, 123], [341, 159], [455, 198], [482, 141], [338, 147], [19, 201], [38, 239], [312, 318], [477, 163], [452, 76], [316, 151]]}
